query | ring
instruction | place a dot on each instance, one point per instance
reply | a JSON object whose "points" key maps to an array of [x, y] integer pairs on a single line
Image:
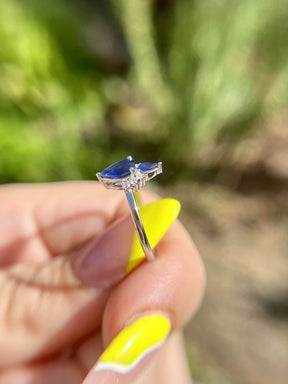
{"points": [[130, 177]]}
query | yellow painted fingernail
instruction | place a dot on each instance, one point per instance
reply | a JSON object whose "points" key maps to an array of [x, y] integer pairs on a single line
{"points": [[157, 217], [133, 343]]}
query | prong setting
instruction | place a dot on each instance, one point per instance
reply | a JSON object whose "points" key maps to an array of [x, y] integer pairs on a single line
{"points": [[139, 175]]}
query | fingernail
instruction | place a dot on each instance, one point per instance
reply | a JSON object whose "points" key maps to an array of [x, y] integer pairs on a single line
{"points": [[157, 217], [109, 258], [130, 347]]}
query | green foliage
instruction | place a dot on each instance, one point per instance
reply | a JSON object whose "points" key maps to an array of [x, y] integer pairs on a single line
{"points": [[82, 84]]}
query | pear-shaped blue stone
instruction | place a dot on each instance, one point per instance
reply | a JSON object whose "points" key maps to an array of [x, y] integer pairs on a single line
{"points": [[146, 167], [118, 170]]}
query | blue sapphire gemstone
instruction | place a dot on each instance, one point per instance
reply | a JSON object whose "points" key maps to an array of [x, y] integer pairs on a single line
{"points": [[146, 167], [118, 170]]}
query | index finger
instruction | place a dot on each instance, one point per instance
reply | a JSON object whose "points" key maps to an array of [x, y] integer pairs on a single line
{"points": [[43, 220]]}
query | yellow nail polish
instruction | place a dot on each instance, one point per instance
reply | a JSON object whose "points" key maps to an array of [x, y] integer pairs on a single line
{"points": [[133, 343], [157, 218]]}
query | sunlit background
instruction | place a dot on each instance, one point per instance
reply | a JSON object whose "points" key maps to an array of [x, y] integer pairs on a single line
{"points": [[201, 85]]}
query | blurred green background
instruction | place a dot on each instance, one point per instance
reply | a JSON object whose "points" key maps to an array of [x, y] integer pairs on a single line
{"points": [[84, 83], [201, 85]]}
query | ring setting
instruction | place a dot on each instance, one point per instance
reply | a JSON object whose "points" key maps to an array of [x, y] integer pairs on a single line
{"points": [[128, 176]]}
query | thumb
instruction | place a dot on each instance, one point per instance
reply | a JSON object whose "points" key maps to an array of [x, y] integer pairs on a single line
{"points": [[42, 306]]}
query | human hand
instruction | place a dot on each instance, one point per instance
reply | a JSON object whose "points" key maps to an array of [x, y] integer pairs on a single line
{"points": [[65, 293]]}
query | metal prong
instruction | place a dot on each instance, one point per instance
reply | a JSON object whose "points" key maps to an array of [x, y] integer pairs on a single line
{"points": [[98, 174], [130, 158]]}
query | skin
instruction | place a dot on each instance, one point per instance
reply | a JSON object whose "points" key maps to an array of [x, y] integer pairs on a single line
{"points": [[53, 324]]}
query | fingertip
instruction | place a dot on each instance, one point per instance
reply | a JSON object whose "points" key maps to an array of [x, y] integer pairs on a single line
{"points": [[173, 284]]}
